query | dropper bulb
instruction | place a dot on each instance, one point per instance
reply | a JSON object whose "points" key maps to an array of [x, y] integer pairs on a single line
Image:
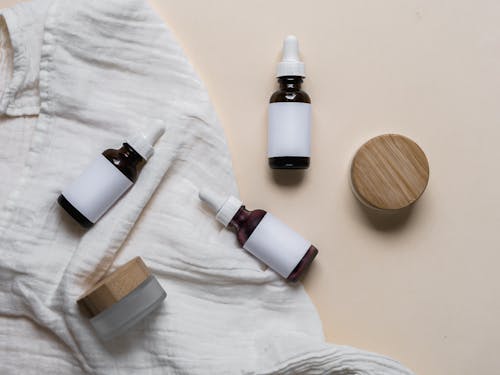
{"points": [[144, 141], [291, 49], [224, 206], [214, 200], [154, 134], [290, 64]]}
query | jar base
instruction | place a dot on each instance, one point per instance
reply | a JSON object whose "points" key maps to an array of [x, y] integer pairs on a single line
{"points": [[289, 162], [73, 212]]}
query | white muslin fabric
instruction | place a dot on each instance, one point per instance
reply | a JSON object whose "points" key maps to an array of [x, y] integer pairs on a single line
{"points": [[78, 77]]}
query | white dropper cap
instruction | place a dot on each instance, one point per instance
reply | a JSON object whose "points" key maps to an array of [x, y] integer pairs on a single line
{"points": [[290, 64], [225, 207], [143, 143]]}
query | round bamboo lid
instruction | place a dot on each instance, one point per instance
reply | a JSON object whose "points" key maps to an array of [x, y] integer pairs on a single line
{"points": [[389, 172], [115, 287]]}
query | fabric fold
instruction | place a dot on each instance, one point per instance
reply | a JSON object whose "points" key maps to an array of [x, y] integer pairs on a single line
{"points": [[25, 24]]}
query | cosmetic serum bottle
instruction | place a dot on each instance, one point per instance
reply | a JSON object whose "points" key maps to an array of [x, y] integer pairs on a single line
{"points": [[289, 122], [263, 235], [107, 178]]}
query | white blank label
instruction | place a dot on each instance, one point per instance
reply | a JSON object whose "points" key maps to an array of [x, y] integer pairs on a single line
{"points": [[289, 130], [97, 188], [277, 245]]}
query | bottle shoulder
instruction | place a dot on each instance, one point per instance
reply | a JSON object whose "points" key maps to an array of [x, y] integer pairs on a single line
{"points": [[297, 96], [258, 213], [125, 160], [248, 226]]}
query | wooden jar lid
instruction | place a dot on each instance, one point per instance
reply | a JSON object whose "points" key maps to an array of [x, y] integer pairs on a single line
{"points": [[389, 172], [116, 286]]}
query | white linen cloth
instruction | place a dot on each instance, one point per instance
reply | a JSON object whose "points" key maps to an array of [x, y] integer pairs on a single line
{"points": [[76, 78]]}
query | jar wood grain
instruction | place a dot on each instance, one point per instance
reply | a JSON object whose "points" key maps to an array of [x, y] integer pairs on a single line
{"points": [[389, 173]]}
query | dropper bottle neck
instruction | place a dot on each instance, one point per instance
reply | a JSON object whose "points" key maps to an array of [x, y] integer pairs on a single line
{"points": [[239, 218], [290, 83]]}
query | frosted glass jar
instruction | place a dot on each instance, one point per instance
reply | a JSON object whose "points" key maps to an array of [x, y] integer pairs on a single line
{"points": [[122, 299]]}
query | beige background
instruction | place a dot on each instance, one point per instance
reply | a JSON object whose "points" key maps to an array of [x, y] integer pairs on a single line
{"points": [[424, 289]]}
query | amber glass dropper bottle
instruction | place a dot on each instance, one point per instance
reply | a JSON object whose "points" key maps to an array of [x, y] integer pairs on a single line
{"points": [[263, 235], [107, 178], [289, 123]]}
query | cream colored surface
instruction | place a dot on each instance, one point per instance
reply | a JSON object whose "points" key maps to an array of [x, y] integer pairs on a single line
{"points": [[425, 290]]}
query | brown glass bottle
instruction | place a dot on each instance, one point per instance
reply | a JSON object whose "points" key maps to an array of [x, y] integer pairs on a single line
{"points": [[107, 178], [245, 222], [126, 160], [290, 91]]}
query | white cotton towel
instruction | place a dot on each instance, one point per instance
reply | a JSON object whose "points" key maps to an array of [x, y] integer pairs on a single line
{"points": [[96, 72]]}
